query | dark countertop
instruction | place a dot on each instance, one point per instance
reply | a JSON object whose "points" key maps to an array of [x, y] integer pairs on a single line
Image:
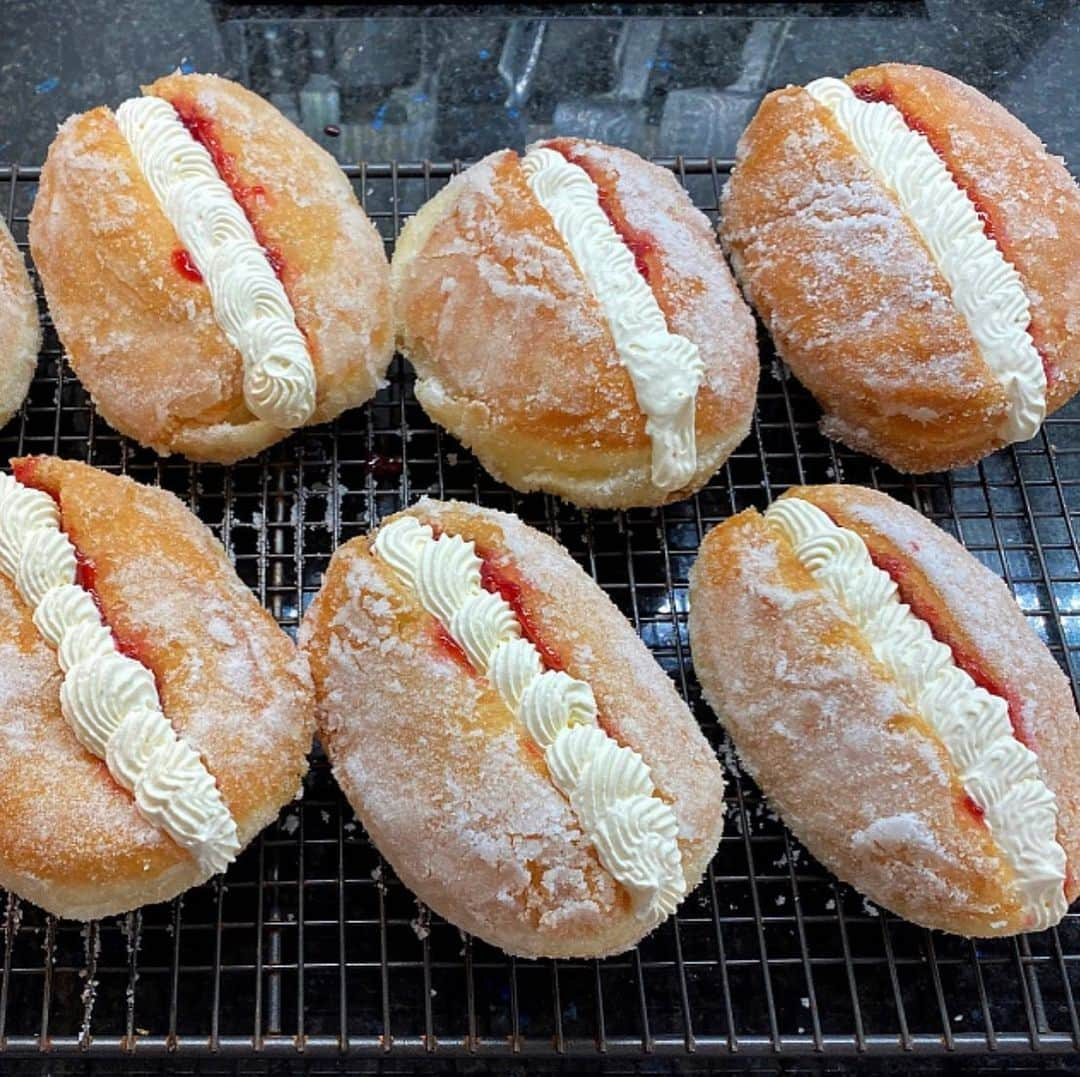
{"points": [[459, 81]]}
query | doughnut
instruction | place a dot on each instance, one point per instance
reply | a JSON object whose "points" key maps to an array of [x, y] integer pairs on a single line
{"points": [[212, 278], [887, 694], [505, 737], [915, 253], [572, 321], [20, 333], [153, 717]]}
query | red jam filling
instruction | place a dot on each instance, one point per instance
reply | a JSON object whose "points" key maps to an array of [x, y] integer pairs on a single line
{"points": [[183, 264], [383, 467], [452, 646], [983, 209], [85, 570], [501, 583], [888, 95], [250, 197], [964, 658], [86, 575], [974, 808], [641, 245]]}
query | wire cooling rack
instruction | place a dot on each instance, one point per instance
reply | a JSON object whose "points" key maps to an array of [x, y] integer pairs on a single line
{"points": [[310, 948]]}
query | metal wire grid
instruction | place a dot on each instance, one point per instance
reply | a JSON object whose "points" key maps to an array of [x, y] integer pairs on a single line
{"points": [[309, 947]]}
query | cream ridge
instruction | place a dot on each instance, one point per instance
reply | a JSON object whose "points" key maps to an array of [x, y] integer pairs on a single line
{"points": [[665, 368], [986, 289], [609, 787], [249, 302], [1000, 774], [110, 700]]}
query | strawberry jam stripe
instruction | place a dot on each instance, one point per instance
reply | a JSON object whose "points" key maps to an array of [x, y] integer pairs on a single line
{"points": [[250, 197], [965, 658], [978, 812], [989, 216], [502, 582], [640, 244], [185, 266], [451, 645], [86, 572]]}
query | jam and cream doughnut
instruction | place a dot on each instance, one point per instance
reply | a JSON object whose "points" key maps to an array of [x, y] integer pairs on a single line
{"points": [[20, 332], [154, 718], [571, 320], [886, 692], [210, 273], [915, 253], [507, 740]]}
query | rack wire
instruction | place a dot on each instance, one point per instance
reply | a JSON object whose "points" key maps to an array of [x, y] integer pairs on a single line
{"points": [[309, 948]]}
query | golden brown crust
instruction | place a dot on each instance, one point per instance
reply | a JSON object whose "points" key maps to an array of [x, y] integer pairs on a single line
{"points": [[1031, 201], [449, 785], [20, 333], [143, 338], [858, 777], [851, 294], [514, 355], [104, 250], [230, 682], [972, 610]]}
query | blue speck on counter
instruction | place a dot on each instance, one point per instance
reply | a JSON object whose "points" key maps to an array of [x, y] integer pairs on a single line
{"points": [[484, 54], [380, 117], [47, 85], [186, 66]]}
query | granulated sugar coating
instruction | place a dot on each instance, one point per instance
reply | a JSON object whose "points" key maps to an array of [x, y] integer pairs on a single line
{"points": [[545, 400], [450, 785], [71, 837], [851, 768]]}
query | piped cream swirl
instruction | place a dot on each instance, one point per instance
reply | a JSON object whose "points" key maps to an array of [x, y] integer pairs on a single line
{"points": [[986, 288], [665, 368], [609, 787], [248, 300], [110, 700], [1000, 774]]}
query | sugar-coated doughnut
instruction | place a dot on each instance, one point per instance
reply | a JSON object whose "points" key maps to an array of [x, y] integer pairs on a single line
{"points": [[153, 717], [209, 271], [571, 319], [887, 694], [505, 737], [20, 333], [915, 253]]}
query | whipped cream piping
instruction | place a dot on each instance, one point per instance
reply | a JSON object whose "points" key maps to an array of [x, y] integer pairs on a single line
{"points": [[1000, 774], [248, 300], [986, 289], [666, 369], [110, 701], [609, 787]]}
